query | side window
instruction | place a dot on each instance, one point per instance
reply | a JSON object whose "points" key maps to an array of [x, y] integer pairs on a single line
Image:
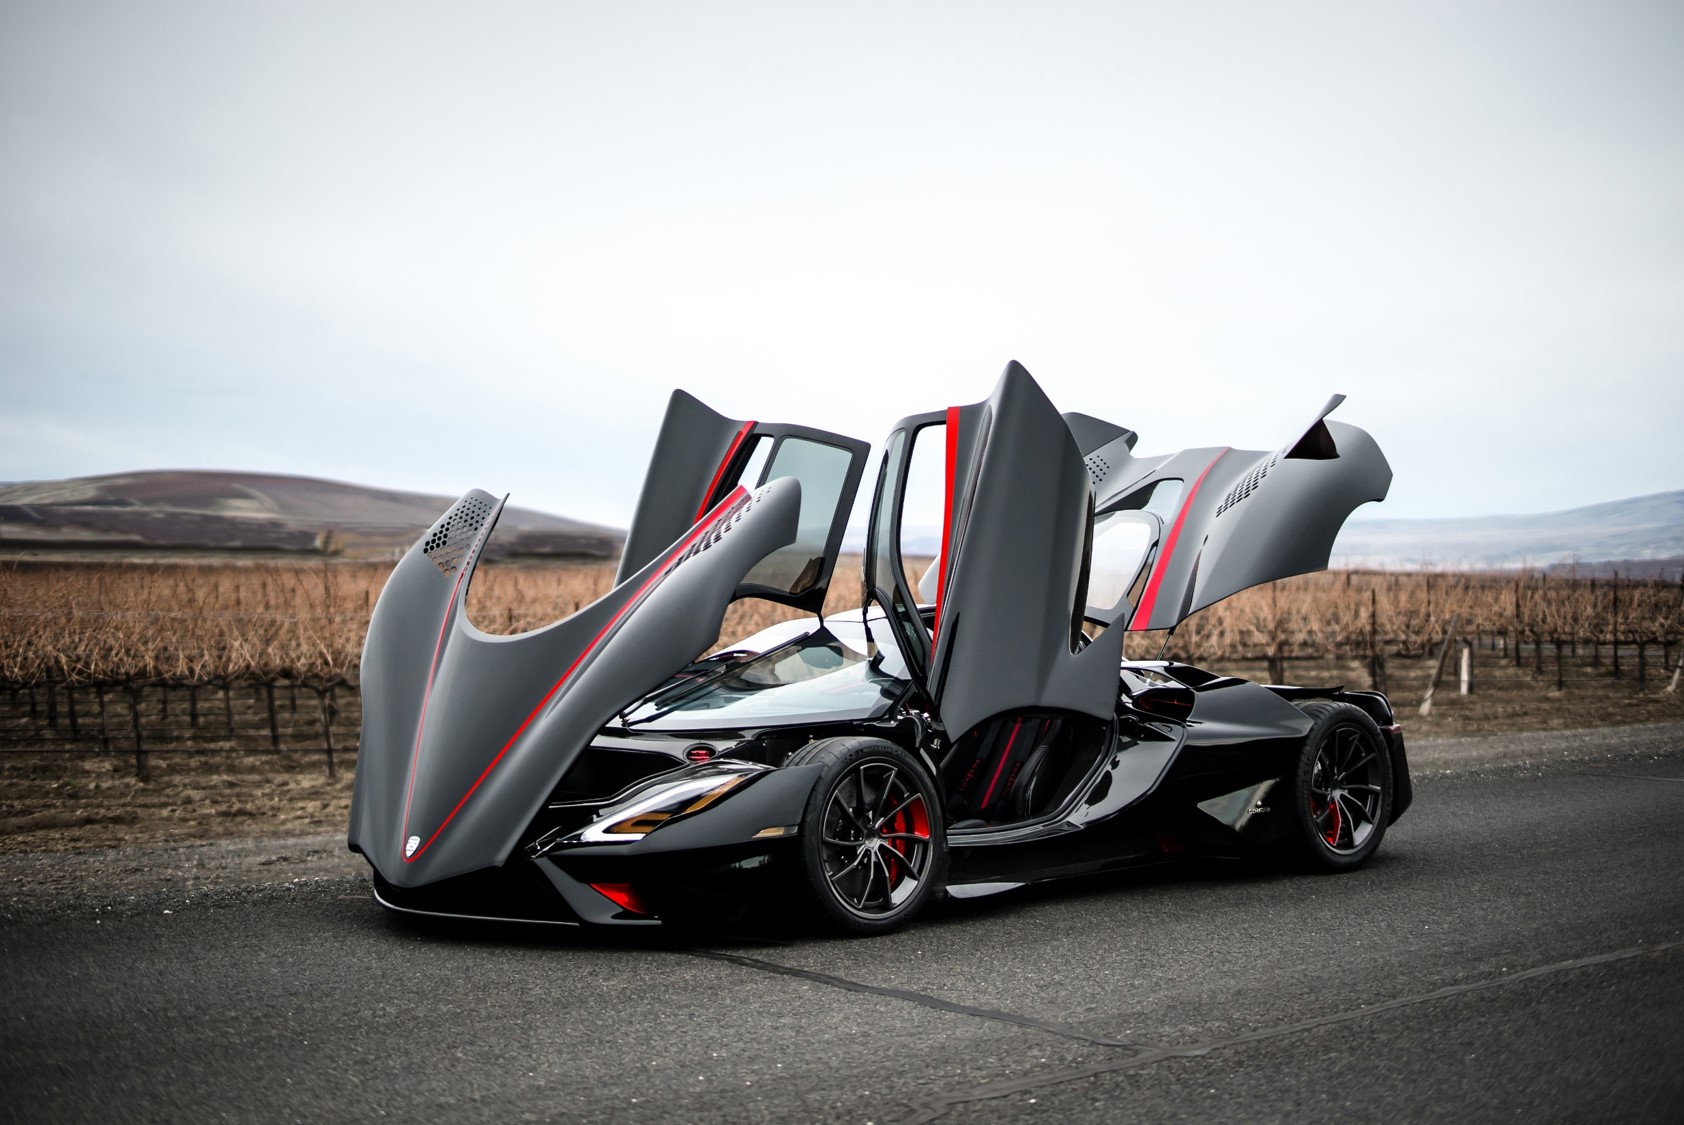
{"points": [[823, 472], [1162, 498], [883, 519], [1122, 543], [923, 510]]}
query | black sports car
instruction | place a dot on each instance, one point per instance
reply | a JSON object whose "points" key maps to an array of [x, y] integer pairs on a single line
{"points": [[964, 732]]}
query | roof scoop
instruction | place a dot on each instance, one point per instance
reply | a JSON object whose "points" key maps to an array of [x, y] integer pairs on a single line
{"points": [[1317, 443]]}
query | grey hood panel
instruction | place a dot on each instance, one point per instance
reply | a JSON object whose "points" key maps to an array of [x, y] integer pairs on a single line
{"points": [[1246, 517], [466, 734]]}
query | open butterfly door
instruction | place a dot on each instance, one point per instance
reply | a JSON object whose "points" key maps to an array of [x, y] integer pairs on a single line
{"points": [[1010, 589], [701, 455]]}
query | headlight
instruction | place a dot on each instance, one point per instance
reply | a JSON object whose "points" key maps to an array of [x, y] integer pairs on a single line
{"points": [[645, 814]]}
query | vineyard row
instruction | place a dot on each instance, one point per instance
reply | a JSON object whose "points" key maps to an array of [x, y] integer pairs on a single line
{"points": [[302, 622], [142, 717]]}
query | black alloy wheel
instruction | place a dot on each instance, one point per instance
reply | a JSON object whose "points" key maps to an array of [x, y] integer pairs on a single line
{"points": [[1343, 787], [873, 848]]}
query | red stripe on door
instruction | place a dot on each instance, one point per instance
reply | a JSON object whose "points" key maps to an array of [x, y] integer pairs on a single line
{"points": [[946, 520], [1149, 599], [1004, 755], [719, 473]]}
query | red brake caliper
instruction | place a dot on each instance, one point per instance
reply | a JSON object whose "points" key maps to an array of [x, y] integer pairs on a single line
{"points": [[1332, 834], [918, 824]]}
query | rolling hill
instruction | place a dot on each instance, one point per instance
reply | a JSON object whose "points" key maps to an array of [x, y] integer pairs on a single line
{"points": [[1646, 533], [189, 512], [183, 511]]}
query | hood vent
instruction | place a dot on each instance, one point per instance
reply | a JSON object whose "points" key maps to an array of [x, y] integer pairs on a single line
{"points": [[1247, 485], [447, 544]]}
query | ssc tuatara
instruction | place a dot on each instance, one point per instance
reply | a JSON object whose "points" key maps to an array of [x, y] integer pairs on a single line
{"points": [[973, 727]]}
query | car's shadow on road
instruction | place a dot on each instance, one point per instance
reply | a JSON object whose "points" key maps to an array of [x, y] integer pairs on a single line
{"points": [[1196, 881]]}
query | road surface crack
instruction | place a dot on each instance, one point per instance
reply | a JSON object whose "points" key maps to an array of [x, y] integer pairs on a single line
{"points": [[920, 998], [932, 1108]]}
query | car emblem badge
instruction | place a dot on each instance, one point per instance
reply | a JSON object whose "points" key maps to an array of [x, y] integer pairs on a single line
{"points": [[410, 845]]}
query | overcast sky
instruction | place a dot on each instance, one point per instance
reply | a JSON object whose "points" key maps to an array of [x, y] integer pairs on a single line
{"points": [[438, 247]]}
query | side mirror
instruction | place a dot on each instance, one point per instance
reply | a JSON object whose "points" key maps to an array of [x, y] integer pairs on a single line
{"points": [[1164, 701]]}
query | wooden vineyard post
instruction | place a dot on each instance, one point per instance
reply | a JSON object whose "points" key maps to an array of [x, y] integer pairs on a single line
{"points": [[1517, 622], [1467, 667], [1438, 671], [1560, 683], [324, 700], [1595, 633], [1376, 658], [70, 712], [52, 704], [1615, 588], [1676, 668], [274, 728], [104, 723], [228, 709], [1277, 666], [142, 771]]}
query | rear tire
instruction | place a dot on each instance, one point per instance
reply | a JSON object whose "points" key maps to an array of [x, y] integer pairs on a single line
{"points": [[1342, 791], [873, 852]]}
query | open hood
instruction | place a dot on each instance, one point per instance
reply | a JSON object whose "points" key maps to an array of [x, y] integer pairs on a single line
{"points": [[465, 734]]}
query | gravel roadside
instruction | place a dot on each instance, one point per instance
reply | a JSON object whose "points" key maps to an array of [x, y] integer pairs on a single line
{"points": [[51, 881]]}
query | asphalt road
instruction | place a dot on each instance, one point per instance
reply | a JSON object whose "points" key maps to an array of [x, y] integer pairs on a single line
{"points": [[1515, 951]]}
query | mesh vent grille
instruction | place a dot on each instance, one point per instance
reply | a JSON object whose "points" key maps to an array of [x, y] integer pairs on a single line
{"points": [[1098, 467], [447, 544], [1247, 485]]}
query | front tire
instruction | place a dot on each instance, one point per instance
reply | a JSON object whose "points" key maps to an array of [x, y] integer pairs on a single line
{"points": [[1342, 791], [872, 846]]}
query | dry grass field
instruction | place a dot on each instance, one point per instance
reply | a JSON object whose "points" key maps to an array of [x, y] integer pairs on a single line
{"points": [[72, 623], [183, 622], [250, 631]]}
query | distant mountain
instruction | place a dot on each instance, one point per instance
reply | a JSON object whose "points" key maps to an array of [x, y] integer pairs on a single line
{"points": [[189, 511], [1647, 530], [1642, 537]]}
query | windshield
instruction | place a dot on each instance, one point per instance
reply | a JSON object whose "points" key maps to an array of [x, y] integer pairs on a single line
{"points": [[795, 671]]}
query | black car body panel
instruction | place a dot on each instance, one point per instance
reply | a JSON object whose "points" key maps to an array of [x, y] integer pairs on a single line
{"points": [[603, 770]]}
